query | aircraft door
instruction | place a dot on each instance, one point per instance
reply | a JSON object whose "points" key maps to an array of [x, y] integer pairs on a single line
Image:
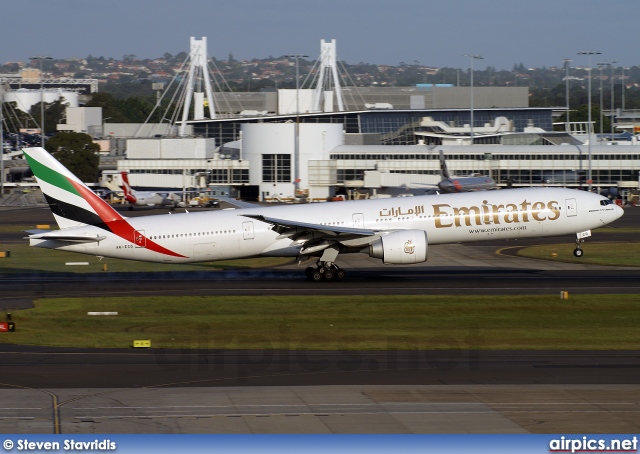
{"points": [[247, 230], [358, 221], [572, 207], [139, 239]]}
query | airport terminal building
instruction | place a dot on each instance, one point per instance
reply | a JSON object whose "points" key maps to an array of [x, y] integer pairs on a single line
{"points": [[387, 138], [362, 153], [282, 147]]}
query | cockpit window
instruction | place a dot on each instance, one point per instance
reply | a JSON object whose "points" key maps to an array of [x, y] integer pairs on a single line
{"points": [[606, 202]]}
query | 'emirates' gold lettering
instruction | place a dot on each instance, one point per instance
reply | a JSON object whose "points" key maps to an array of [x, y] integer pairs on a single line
{"points": [[488, 214]]}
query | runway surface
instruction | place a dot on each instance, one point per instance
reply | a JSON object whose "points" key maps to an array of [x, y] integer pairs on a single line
{"points": [[48, 390], [361, 409], [18, 292]]}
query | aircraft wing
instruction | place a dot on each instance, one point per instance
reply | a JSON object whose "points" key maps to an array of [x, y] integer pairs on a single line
{"points": [[304, 232], [57, 235]]}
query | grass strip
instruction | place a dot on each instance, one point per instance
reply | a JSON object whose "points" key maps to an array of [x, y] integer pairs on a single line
{"points": [[621, 254], [405, 322], [26, 259]]}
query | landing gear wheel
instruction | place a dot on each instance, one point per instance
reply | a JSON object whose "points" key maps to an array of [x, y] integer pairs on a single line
{"points": [[309, 272], [578, 252], [324, 271]]}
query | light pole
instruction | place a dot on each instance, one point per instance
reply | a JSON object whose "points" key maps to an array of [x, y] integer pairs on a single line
{"points": [[589, 53], [567, 79], [472, 58], [296, 149], [611, 122], [104, 122], [40, 58], [624, 86], [601, 65], [567, 62]]}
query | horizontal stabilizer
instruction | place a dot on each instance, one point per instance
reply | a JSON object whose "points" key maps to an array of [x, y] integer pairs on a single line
{"points": [[57, 235], [38, 231]]}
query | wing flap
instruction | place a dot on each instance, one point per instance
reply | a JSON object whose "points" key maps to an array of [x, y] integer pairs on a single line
{"points": [[287, 228]]}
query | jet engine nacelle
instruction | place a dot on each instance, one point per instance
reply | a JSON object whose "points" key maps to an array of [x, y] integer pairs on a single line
{"points": [[401, 247]]}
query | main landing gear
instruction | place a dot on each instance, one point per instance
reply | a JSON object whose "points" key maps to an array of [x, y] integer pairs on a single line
{"points": [[325, 271]]}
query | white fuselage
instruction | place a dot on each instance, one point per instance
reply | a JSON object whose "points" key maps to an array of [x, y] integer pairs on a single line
{"points": [[447, 218]]}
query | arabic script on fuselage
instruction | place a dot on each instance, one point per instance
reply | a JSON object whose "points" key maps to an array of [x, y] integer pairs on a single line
{"points": [[486, 214], [398, 212]]}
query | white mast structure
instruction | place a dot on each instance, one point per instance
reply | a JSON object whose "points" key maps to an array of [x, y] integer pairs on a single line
{"points": [[329, 70], [198, 72]]}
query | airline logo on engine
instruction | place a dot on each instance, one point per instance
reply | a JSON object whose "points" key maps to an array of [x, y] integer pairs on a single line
{"points": [[409, 247], [489, 214]]}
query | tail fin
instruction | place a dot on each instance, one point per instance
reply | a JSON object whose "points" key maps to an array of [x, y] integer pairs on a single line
{"points": [[444, 172], [129, 193], [71, 201]]}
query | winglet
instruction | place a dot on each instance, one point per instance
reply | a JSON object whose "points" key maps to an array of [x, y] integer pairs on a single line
{"points": [[237, 203]]}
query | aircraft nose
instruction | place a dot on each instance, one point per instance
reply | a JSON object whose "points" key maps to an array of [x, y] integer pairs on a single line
{"points": [[611, 216], [619, 212]]}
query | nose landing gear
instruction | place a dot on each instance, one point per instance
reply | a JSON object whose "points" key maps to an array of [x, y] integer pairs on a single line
{"points": [[580, 236]]}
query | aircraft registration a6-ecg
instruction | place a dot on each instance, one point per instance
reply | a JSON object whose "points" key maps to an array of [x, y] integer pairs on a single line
{"points": [[396, 231]]}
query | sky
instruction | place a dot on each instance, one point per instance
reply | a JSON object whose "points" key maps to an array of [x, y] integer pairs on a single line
{"points": [[537, 33]]}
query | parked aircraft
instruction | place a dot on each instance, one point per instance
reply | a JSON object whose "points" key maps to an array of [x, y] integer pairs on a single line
{"points": [[396, 231], [462, 184], [447, 184], [146, 198]]}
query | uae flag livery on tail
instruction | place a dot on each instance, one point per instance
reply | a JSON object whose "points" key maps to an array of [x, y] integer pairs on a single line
{"points": [[73, 204]]}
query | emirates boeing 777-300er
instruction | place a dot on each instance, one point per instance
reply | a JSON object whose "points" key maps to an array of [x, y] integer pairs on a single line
{"points": [[396, 231]]}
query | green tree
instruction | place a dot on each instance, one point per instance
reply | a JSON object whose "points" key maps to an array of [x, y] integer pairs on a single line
{"points": [[111, 107], [77, 152], [137, 109], [581, 114], [53, 113]]}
